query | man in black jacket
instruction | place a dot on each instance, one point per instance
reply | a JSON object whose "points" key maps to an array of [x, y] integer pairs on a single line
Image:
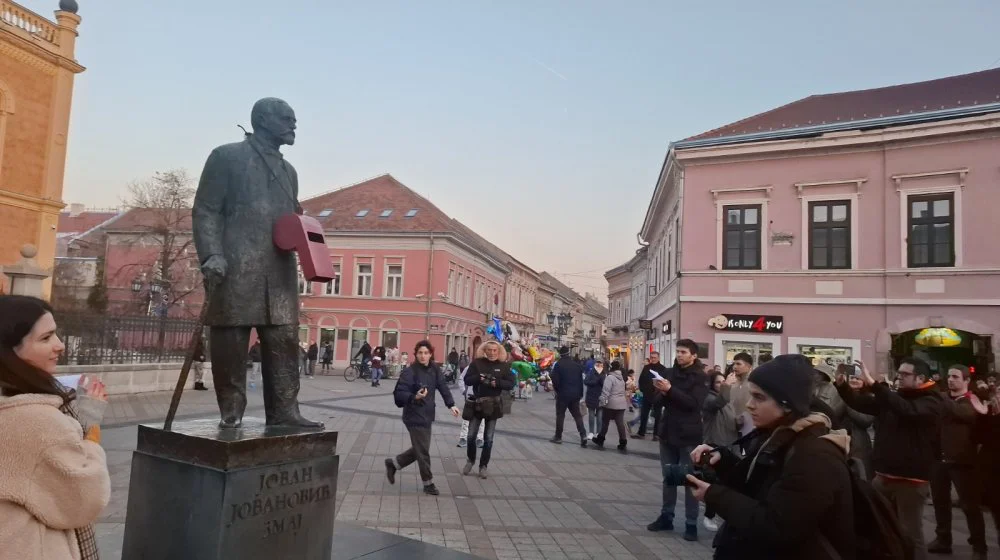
{"points": [[649, 403], [682, 392], [567, 381], [907, 439], [957, 465]]}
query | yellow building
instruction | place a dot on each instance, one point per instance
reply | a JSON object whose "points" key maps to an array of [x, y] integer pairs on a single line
{"points": [[37, 68]]}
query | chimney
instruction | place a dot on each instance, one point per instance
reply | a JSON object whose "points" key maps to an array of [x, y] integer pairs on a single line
{"points": [[75, 209]]}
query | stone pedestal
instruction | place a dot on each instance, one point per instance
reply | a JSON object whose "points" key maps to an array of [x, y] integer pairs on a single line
{"points": [[202, 493]]}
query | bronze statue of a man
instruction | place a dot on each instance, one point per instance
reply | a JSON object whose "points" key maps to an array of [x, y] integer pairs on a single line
{"points": [[251, 284]]}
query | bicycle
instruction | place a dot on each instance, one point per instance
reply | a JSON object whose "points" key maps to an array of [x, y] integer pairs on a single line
{"points": [[356, 370]]}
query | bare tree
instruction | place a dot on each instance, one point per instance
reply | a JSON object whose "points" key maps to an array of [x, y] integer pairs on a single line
{"points": [[163, 206]]}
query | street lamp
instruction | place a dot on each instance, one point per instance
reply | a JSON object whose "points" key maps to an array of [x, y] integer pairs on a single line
{"points": [[559, 323]]}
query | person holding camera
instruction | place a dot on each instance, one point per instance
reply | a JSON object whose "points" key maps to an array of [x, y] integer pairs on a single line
{"points": [[414, 385], [790, 496], [907, 438], [489, 376]]}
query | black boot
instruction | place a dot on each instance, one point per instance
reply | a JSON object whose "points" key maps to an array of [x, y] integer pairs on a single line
{"points": [[199, 386], [622, 443], [599, 442]]}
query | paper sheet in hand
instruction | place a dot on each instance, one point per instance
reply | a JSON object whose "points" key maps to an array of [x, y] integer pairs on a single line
{"points": [[656, 376], [69, 381]]}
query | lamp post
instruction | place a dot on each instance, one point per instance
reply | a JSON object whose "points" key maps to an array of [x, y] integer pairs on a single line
{"points": [[559, 324]]}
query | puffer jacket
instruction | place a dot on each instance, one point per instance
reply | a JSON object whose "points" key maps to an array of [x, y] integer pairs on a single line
{"points": [[420, 414], [791, 487], [613, 391], [595, 384], [52, 481], [567, 380]]}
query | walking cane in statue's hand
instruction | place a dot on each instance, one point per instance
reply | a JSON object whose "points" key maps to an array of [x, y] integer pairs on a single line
{"points": [[175, 401]]}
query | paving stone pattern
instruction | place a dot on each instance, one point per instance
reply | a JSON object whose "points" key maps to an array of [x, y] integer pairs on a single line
{"points": [[540, 501]]}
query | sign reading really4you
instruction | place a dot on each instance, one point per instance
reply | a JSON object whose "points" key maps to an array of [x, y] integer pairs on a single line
{"points": [[772, 324]]}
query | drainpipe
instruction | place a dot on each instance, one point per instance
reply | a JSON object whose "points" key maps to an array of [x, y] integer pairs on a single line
{"points": [[430, 292]]}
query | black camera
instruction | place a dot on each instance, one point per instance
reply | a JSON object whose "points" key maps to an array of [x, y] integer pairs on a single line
{"points": [[676, 475]]}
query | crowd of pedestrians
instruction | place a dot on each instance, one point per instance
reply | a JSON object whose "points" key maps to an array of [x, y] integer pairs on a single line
{"points": [[781, 455]]}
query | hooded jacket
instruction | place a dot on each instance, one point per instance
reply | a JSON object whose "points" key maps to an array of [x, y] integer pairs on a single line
{"points": [[52, 481], [907, 427], [791, 487], [681, 425], [613, 391]]}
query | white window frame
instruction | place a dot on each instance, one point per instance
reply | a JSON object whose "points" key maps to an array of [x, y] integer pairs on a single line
{"points": [[451, 284], [720, 216], [904, 230], [337, 275], [722, 337], [388, 277], [305, 287], [854, 344], [807, 232], [468, 292], [359, 278]]}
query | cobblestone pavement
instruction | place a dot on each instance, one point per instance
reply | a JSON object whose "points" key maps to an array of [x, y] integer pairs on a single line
{"points": [[540, 501]]}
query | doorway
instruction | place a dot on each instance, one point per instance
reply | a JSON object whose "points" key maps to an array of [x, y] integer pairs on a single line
{"points": [[942, 348], [358, 338]]}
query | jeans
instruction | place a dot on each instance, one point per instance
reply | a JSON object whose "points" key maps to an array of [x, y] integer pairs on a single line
{"points": [[671, 455], [908, 499], [376, 374], [574, 410], [419, 452], [491, 426], [255, 373], [199, 372], [463, 433], [594, 416], [312, 368], [965, 479], [647, 407]]}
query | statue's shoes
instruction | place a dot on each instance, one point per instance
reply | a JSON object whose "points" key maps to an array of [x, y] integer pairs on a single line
{"points": [[297, 422], [230, 423]]}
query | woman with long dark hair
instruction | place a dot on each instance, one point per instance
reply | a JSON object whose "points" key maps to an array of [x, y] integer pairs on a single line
{"points": [[54, 479], [415, 384]]}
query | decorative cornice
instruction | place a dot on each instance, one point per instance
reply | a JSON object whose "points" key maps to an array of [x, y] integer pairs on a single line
{"points": [[28, 202], [22, 55]]}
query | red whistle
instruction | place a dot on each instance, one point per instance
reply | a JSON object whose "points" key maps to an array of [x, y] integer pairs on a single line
{"points": [[304, 235]]}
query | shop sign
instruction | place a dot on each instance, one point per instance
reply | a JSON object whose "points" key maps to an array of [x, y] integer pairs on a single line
{"points": [[667, 327], [772, 324], [645, 324], [938, 337]]}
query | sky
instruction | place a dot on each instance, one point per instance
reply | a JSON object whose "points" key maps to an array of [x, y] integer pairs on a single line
{"points": [[541, 124]]}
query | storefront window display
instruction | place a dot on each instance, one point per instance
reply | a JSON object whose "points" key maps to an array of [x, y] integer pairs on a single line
{"points": [[761, 351], [830, 355]]}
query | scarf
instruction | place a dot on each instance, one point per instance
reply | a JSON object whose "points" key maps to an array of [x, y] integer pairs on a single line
{"points": [[85, 537]]}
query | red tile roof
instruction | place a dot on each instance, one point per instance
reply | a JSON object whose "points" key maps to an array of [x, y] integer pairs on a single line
{"points": [[967, 90], [85, 221], [144, 219], [386, 193]]}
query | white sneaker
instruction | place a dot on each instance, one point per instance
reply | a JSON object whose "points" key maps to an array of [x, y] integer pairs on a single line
{"points": [[710, 524], [590, 435]]}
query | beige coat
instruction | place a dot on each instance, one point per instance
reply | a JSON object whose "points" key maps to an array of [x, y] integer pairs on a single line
{"points": [[52, 481]]}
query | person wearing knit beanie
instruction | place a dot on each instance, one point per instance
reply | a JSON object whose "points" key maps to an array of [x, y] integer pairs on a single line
{"points": [[788, 379]]}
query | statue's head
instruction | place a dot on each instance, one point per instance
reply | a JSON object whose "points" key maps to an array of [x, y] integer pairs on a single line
{"points": [[275, 118]]}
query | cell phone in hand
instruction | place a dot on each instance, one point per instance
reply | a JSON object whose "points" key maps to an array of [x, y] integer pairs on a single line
{"points": [[857, 371]]}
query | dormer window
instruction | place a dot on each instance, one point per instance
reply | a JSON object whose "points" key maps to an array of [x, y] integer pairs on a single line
{"points": [[325, 213], [385, 213], [411, 213], [361, 214]]}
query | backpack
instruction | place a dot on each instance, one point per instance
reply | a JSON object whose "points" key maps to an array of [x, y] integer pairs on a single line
{"points": [[878, 533]]}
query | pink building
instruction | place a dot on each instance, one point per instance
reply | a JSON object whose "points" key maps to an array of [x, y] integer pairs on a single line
{"points": [[406, 272], [839, 226]]}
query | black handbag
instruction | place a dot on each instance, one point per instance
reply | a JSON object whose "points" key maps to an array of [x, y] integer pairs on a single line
{"points": [[469, 410]]}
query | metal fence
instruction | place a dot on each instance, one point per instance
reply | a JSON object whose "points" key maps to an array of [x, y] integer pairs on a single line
{"points": [[93, 339]]}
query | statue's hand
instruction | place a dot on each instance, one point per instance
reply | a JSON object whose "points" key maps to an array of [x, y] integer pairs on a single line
{"points": [[214, 269]]}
